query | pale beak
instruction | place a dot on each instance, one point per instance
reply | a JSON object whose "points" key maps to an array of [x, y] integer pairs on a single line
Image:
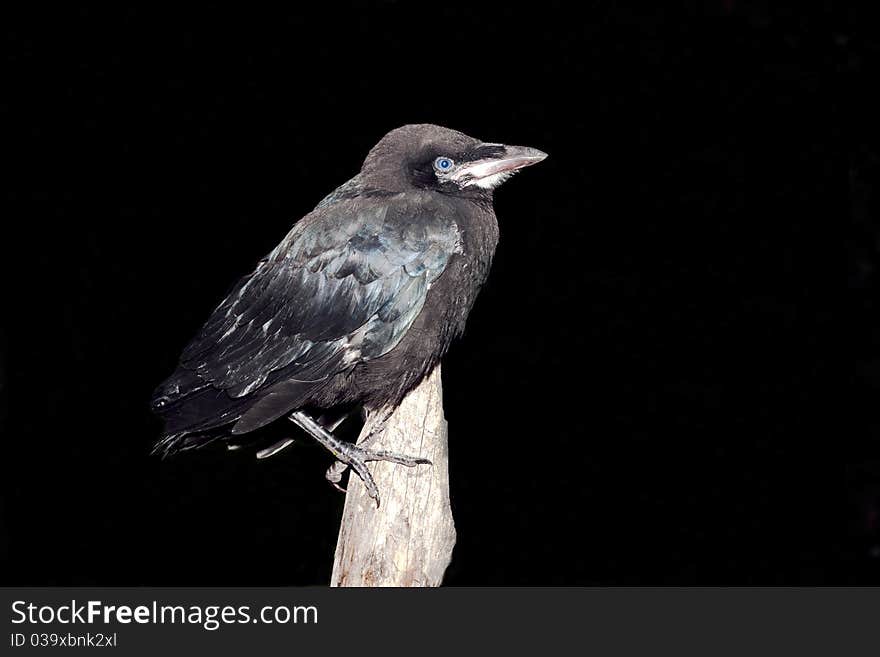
{"points": [[490, 172]]}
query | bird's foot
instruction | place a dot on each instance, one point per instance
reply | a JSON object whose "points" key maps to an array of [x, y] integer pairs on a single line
{"points": [[334, 472], [356, 456], [334, 475]]}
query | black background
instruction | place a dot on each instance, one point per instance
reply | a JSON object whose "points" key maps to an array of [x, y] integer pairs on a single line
{"points": [[656, 385]]}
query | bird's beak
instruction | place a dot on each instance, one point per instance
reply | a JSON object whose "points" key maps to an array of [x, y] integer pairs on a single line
{"points": [[488, 172]]}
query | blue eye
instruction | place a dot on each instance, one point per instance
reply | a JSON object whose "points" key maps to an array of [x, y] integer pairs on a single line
{"points": [[443, 164]]}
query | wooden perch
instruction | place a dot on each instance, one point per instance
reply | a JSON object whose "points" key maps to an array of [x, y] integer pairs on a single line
{"points": [[408, 540]]}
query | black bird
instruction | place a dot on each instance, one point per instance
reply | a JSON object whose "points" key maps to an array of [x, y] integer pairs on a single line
{"points": [[355, 306]]}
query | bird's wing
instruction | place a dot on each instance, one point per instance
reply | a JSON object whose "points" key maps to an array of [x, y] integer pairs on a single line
{"points": [[343, 287]]}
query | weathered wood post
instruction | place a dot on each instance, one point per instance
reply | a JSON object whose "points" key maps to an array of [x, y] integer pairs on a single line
{"points": [[408, 540]]}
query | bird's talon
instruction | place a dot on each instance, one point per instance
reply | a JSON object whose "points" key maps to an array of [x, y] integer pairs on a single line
{"points": [[373, 492], [335, 471], [400, 459], [353, 456]]}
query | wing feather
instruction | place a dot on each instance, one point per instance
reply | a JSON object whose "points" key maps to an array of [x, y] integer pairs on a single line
{"points": [[343, 287]]}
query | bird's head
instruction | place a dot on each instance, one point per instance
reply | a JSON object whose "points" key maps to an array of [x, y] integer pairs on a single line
{"points": [[426, 156]]}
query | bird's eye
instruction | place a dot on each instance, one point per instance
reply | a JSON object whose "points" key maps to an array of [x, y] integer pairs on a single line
{"points": [[443, 164]]}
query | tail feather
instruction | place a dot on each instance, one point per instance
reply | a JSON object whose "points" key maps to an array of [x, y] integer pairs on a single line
{"points": [[180, 442], [189, 405], [197, 414]]}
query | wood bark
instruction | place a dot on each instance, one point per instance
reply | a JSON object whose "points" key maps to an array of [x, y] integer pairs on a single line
{"points": [[408, 540]]}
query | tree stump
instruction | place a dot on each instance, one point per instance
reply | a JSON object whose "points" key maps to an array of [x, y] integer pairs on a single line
{"points": [[408, 540]]}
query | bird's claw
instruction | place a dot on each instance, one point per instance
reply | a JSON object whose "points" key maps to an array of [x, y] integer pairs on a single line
{"points": [[347, 454], [394, 457], [358, 459], [334, 475]]}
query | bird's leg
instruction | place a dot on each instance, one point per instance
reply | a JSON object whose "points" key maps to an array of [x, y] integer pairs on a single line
{"points": [[334, 472], [274, 448], [332, 425], [353, 455]]}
